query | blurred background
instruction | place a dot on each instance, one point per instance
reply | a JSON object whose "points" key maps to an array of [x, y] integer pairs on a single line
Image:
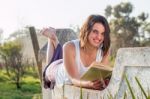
{"points": [[19, 79]]}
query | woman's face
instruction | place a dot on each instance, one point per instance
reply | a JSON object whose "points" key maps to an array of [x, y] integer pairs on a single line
{"points": [[96, 36]]}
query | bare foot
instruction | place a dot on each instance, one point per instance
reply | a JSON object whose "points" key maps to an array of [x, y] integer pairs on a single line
{"points": [[51, 34], [48, 32]]}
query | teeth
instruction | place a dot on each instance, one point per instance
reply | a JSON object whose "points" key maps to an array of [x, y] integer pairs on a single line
{"points": [[96, 40]]}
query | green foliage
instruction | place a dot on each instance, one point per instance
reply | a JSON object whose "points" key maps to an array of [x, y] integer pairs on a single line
{"points": [[148, 97], [131, 90], [30, 88], [109, 96], [63, 90], [3, 76], [127, 30], [122, 8], [108, 11], [8, 90], [139, 84], [10, 48], [12, 57], [125, 95], [81, 93], [129, 86], [112, 60]]}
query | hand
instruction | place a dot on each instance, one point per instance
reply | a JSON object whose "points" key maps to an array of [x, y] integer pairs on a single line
{"points": [[97, 84]]}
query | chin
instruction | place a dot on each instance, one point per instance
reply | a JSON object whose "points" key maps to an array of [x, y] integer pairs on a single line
{"points": [[97, 46]]}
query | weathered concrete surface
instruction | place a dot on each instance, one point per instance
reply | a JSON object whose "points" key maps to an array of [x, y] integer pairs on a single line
{"points": [[130, 61], [142, 73]]}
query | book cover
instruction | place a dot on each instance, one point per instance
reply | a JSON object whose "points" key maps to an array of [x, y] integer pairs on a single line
{"points": [[97, 71]]}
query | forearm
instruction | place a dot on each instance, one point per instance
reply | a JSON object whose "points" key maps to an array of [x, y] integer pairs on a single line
{"points": [[80, 83], [88, 84]]}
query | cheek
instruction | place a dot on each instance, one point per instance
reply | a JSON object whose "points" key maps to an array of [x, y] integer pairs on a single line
{"points": [[103, 38], [90, 37]]}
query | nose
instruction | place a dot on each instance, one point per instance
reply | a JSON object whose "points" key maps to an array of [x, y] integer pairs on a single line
{"points": [[99, 35]]}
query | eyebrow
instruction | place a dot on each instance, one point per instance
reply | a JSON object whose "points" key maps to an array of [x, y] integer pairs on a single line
{"points": [[98, 31], [95, 30]]}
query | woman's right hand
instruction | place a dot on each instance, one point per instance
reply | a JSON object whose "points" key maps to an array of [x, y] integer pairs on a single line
{"points": [[97, 84]]}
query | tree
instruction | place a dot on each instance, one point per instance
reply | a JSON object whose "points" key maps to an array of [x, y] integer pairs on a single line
{"points": [[127, 30], [11, 54]]}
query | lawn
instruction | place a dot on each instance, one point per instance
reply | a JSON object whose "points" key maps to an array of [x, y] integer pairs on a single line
{"points": [[30, 87]]}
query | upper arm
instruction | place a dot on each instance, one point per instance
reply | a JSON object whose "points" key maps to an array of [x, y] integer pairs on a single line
{"points": [[69, 60]]}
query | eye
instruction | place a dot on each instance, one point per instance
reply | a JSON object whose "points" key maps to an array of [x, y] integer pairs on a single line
{"points": [[102, 33], [95, 31]]}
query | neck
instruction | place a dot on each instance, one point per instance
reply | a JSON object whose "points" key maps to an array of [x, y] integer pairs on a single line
{"points": [[90, 49]]}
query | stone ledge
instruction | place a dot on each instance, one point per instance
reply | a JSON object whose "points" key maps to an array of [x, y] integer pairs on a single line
{"points": [[73, 92], [128, 61]]}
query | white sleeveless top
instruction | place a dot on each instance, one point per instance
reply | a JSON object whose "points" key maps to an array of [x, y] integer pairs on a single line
{"points": [[61, 75], [81, 68]]}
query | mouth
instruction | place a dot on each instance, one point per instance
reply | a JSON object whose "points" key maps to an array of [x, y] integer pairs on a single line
{"points": [[97, 41]]}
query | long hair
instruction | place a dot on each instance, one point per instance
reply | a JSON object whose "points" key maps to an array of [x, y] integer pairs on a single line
{"points": [[87, 28]]}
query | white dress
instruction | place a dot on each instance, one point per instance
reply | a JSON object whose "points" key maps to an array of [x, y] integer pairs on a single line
{"points": [[61, 76]]}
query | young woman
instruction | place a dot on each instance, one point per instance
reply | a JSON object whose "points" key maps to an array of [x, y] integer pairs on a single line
{"points": [[92, 46]]}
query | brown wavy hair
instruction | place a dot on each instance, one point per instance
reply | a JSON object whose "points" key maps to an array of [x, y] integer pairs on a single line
{"points": [[87, 28]]}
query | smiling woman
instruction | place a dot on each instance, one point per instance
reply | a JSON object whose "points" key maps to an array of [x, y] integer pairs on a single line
{"points": [[78, 55]]}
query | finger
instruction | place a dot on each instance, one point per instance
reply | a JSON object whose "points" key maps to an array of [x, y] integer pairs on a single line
{"points": [[97, 87], [97, 82]]}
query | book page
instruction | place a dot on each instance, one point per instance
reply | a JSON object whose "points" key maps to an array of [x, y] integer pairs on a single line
{"points": [[95, 73]]}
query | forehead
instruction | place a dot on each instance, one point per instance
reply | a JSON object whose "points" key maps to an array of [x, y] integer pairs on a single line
{"points": [[99, 26]]}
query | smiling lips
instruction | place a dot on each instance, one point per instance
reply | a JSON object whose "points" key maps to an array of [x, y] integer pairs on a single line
{"points": [[96, 40]]}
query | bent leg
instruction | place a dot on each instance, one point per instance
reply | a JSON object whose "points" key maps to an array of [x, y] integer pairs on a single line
{"points": [[53, 42], [50, 51]]}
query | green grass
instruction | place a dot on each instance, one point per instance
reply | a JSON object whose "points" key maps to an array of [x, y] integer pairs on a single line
{"points": [[30, 87]]}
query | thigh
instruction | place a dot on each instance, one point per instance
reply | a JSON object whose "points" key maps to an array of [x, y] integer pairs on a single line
{"points": [[52, 68]]}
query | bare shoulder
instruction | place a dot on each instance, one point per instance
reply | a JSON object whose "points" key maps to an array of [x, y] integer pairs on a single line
{"points": [[69, 47]]}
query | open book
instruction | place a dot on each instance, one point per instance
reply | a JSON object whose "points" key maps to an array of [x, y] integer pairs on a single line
{"points": [[97, 71]]}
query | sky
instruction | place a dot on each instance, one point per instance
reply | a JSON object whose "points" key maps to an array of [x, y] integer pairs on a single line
{"points": [[16, 14]]}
